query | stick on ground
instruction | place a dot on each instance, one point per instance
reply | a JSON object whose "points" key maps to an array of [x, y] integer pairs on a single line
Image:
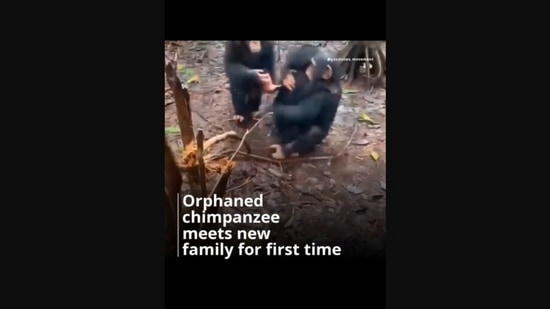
{"points": [[224, 177]]}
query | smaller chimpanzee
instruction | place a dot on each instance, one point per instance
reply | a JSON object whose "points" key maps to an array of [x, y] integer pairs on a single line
{"points": [[306, 106], [248, 64], [293, 86]]}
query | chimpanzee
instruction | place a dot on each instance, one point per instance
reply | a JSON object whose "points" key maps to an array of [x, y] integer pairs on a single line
{"points": [[306, 105], [247, 64], [293, 85], [292, 89]]}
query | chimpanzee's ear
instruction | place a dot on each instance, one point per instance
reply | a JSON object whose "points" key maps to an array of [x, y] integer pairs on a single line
{"points": [[328, 72]]}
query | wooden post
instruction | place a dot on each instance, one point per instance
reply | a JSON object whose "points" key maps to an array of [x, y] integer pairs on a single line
{"points": [[181, 96], [183, 111], [172, 185]]}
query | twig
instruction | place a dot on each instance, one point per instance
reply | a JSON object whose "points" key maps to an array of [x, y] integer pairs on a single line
{"points": [[245, 135], [200, 158], [292, 160], [266, 159], [349, 142], [249, 155], [241, 185], [307, 159], [230, 134], [202, 117], [236, 151]]}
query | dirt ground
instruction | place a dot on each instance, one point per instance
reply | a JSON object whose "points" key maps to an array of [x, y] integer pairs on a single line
{"points": [[336, 202]]}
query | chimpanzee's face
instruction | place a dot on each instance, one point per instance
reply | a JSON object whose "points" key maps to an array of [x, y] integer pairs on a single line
{"points": [[254, 46], [311, 72]]}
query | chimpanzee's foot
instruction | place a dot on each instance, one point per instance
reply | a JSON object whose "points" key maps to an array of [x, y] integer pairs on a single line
{"points": [[257, 115], [238, 118], [278, 153]]}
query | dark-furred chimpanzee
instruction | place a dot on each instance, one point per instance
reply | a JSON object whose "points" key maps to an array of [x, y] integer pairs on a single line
{"points": [[247, 65], [306, 105], [294, 83], [293, 88]]}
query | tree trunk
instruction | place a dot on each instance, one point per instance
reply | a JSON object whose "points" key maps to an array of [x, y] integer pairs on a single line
{"points": [[363, 58]]}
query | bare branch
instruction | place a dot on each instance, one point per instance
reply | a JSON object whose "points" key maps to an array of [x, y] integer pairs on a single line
{"points": [[220, 137], [349, 141], [222, 180]]}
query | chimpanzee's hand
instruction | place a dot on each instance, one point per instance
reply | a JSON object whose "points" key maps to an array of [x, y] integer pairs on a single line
{"points": [[289, 82], [270, 88], [267, 83], [265, 78]]}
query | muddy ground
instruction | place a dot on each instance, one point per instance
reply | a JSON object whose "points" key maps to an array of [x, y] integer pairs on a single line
{"points": [[335, 202]]}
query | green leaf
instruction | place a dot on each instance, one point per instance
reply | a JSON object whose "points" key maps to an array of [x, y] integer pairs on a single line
{"points": [[172, 130], [350, 91], [365, 118], [374, 155], [189, 73], [194, 79]]}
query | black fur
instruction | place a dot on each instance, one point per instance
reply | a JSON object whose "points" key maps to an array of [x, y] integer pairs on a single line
{"points": [[299, 59], [245, 85], [304, 116], [296, 64]]}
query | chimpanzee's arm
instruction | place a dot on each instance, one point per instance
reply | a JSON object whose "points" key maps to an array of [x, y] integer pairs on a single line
{"points": [[241, 75], [268, 60], [305, 111], [328, 112]]}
